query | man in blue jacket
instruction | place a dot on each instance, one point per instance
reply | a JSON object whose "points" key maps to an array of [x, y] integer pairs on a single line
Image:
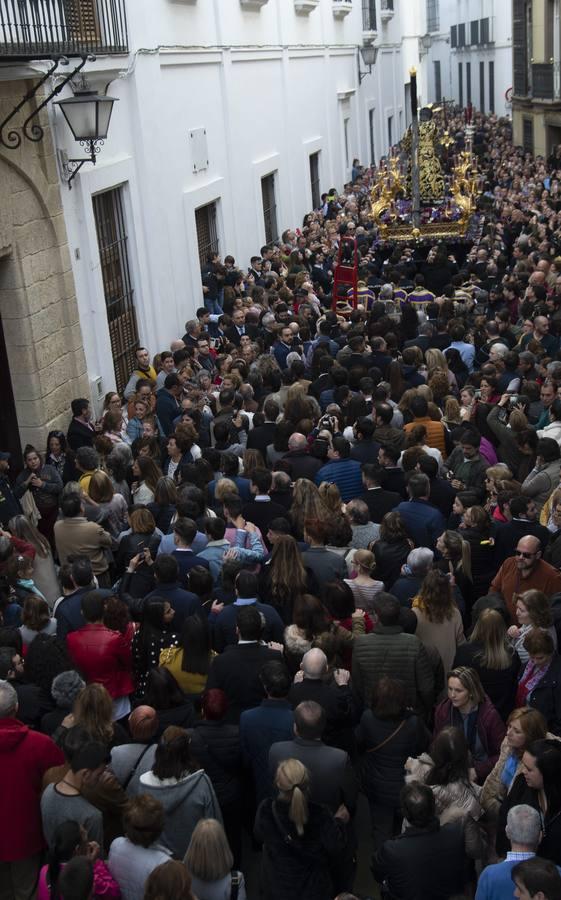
{"points": [[267, 724], [342, 470], [424, 522], [167, 402]]}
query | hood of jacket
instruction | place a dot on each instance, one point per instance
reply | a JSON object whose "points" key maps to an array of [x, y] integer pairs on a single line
{"points": [[12, 734], [172, 794]]}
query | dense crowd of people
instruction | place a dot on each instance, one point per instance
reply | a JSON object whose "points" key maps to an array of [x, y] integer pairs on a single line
{"points": [[310, 555]]}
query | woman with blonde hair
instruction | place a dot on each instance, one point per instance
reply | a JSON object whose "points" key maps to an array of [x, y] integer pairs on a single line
{"points": [[224, 487], [209, 860], [439, 623], [44, 572], [451, 412], [300, 838], [533, 611], [361, 582], [93, 710], [111, 506], [469, 708], [436, 361], [306, 504], [490, 653], [524, 726]]}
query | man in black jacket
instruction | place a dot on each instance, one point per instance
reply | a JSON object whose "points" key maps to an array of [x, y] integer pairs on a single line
{"points": [[298, 462], [236, 671], [334, 695], [81, 432], [378, 500], [427, 861], [260, 437]]}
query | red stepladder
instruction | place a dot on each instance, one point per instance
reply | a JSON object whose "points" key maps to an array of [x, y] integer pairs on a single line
{"points": [[345, 276]]}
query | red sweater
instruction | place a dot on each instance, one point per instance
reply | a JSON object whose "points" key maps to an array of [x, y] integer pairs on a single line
{"points": [[25, 756]]}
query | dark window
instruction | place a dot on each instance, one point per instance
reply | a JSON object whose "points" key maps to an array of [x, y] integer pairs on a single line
{"points": [[474, 32], [461, 35], [468, 82], [482, 86], [371, 113], [207, 235], [492, 87], [437, 81], [461, 84], [484, 34], [314, 180], [433, 15], [528, 135], [112, 241], [390, 131], [369, 15], [454, 36], [269, 207]]}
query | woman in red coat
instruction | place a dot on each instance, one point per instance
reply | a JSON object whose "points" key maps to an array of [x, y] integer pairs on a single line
{"points": [[103, 655], [468, 707]]}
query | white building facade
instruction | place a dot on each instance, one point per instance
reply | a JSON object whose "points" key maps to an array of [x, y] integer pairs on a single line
{"points": [[232, 118], [468, 46]]}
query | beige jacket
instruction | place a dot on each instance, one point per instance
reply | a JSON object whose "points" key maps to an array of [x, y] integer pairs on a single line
{"points": [[494, 791], [78, 537], [454, 801]]}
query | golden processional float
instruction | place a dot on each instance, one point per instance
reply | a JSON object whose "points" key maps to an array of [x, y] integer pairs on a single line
{"points": [[413, 198]]}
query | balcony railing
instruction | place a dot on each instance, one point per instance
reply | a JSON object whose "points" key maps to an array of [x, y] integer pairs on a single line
{"points": [[42, 29]]}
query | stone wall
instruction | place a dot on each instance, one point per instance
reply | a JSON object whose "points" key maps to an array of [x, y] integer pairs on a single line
{"points": [[37, 295]]}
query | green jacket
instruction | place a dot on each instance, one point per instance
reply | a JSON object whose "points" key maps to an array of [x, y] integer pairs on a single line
{"points": [[390, 651]]}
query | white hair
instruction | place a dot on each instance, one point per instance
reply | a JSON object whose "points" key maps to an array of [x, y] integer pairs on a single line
{"points": [[420, 560], [523, 825], [8, 700]]}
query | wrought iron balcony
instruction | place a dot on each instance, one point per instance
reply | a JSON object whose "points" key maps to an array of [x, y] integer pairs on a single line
{"points": [[44, 29]]}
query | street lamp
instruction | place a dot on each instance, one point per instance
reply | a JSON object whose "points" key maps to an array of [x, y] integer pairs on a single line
{"points": [[87, 114], [369, 55]]}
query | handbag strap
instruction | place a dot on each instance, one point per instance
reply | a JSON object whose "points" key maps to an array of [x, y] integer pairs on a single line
{"points": [[235, 881], [388, 739], [135, 767]]}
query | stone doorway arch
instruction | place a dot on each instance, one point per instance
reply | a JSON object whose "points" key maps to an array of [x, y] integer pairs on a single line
{"points": [[38, 307]]}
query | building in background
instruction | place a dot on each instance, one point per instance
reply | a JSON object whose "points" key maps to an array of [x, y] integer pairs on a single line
{"points": [[536, 102], [469, 53], [232, 117]]}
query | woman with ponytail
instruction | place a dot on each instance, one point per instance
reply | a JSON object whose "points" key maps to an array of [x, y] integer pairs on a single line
{"points": [[71, 840], [301, 839]]}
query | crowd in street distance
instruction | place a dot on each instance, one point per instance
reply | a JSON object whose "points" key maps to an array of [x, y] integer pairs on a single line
{"points": [[309, 558]]}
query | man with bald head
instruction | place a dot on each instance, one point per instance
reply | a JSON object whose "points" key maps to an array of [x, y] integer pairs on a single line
{"points": [[332, 780], [333, 693], [298, 462], [525, 571]]}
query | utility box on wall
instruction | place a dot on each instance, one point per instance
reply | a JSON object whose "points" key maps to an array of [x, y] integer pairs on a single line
{"points": [[199, 149]]}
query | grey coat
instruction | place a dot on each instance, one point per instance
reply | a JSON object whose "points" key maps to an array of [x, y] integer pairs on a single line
{"points": [[185, 803]]}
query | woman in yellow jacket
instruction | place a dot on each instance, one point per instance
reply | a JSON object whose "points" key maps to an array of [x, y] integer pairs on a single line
{"points": [[189, 663]]}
